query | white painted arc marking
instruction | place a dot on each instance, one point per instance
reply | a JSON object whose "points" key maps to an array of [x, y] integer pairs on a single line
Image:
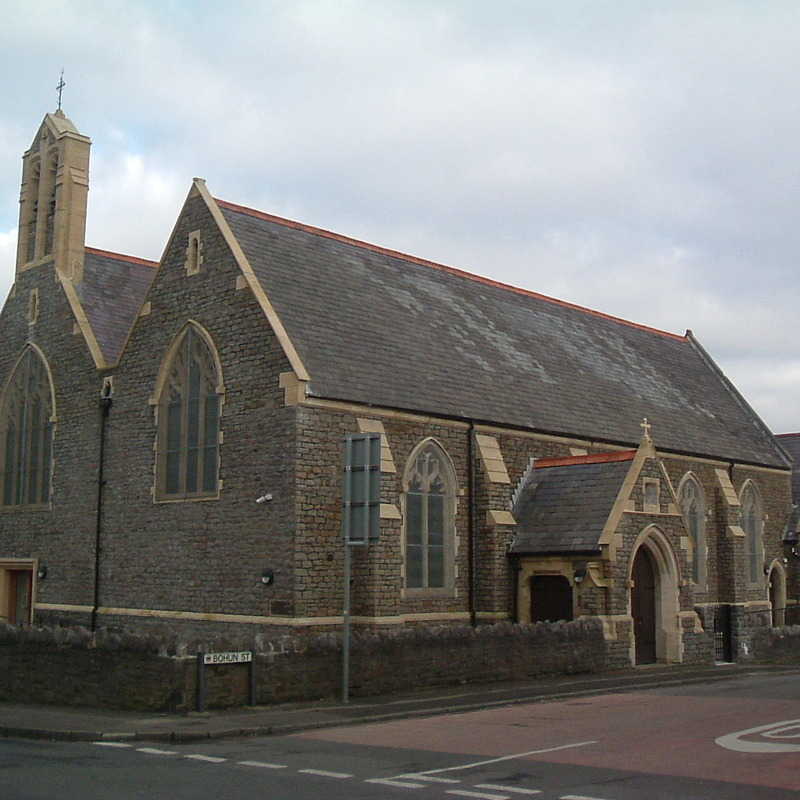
{"points": [[512, 789], [262, 764], [735, 742], [398, 784], [210, 759], [325, 774], [501, 758], [154, 751], [112, 744], [482, 795]]}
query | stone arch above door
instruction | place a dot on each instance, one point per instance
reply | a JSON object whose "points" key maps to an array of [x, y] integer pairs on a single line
{"points": [[668, 642], [777, 593]]}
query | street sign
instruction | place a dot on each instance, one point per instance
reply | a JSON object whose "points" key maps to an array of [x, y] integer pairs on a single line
{"points": [[361, 492], [242, 657]]}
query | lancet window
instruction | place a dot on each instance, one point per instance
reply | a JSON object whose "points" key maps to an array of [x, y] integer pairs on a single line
{"points": [[693, 507]]}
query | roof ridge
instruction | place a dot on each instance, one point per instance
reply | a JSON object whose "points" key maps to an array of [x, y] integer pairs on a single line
{"points": [[435, 265], [121, 256], [590, 458]]}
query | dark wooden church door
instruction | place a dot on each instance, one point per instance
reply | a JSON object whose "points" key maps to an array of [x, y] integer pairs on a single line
{"points": [[643, 607]]}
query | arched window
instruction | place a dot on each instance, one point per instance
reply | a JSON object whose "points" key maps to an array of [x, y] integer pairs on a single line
{"points": [[752, 524], [429, 525], [693, 507], [27, 431], [188, 420]]}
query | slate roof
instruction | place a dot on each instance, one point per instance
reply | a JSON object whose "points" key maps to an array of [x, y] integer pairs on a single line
{"points": [[791, 443], [378, 327], [563, 509], [112, 292]]}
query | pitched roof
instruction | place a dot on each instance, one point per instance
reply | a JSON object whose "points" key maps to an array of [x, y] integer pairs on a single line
{"points": [[112, 292], [791, 443], [563, 509], [378, 327]]}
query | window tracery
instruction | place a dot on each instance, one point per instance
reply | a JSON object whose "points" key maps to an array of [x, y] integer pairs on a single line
{"points": [[26, 426], [188, 421], [429, 524]]}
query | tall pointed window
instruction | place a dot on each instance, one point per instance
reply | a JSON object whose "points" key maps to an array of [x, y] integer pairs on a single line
{"points": [[26, 428], [693, 507], [429, 525], [752, 523], [188, 421]]}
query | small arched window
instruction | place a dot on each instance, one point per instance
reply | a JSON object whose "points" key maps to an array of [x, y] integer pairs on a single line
{"points": [[752, 524], [27, 430], [188, 420], [693, 507], [429, 525]]}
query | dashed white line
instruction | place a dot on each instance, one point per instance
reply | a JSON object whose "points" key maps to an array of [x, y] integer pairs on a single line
{"points": [[398, 784], [112, 744], [424, 776], [325, 774], [262, 764], [210, 759], [154, 751], [512, 789], [482, 795]]}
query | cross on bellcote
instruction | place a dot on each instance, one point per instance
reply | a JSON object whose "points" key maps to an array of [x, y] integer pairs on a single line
{"points": [[60, 88], [645, 426]]}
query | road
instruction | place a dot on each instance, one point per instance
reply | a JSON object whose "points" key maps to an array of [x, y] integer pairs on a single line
{"points": [[733, 739]]}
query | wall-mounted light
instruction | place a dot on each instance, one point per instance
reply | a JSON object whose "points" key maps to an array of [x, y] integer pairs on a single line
{"points": [[580, 574], [41, 573], [267, 577], [265, 498]]}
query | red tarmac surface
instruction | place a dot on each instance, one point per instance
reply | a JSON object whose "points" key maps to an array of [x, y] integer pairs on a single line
{"points": [[656, 734]]}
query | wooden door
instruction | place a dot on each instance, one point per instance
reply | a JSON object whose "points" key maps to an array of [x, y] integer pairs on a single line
{"points": [[643, 607], [19, 602]]}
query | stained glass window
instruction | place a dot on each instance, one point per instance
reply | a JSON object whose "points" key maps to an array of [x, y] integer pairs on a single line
{"points": [[189, 411], [693, 507], [752, 525], [429, 525], [27, 432]]}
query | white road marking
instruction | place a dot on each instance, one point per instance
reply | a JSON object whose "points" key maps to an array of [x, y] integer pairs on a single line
{"points": [[210, 759], [497, 760], [112, 744], [775, 730], [398, 784], [512, 789], [423, 776], [154, 751], [578, 797], [262, 764], [482, 795], [325, 774]]}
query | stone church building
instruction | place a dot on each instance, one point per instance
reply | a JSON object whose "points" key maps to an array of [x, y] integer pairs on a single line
{"points": [[540, 460]]}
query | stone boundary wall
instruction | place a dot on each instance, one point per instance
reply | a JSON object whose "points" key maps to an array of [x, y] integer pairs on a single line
{"points": [[71, 666], [777, 645]]}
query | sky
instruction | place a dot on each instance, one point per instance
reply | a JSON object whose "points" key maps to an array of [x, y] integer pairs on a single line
{"points": [[639, 158]]}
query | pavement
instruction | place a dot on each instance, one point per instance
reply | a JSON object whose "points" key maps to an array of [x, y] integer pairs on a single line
{"points": [[88, 724]]}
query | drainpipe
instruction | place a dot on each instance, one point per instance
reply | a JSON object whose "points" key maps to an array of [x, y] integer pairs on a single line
{"points": [[105, 408], [472, 541]]}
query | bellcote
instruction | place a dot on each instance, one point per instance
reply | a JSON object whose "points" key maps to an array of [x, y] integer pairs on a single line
{"points": [[55, 185]]}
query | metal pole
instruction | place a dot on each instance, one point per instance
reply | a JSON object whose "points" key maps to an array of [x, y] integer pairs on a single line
{"points": [[201, 683], [346, 627]]}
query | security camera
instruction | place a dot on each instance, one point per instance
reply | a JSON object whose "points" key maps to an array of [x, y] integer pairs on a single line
{"points": [[265, 498]]}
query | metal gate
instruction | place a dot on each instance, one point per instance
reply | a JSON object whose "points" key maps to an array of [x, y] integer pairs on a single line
{"points": [[722, 634]]}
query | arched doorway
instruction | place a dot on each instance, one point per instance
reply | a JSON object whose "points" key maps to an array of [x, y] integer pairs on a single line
{"points": [[777, 595], [643, 606], [654, 578]]}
